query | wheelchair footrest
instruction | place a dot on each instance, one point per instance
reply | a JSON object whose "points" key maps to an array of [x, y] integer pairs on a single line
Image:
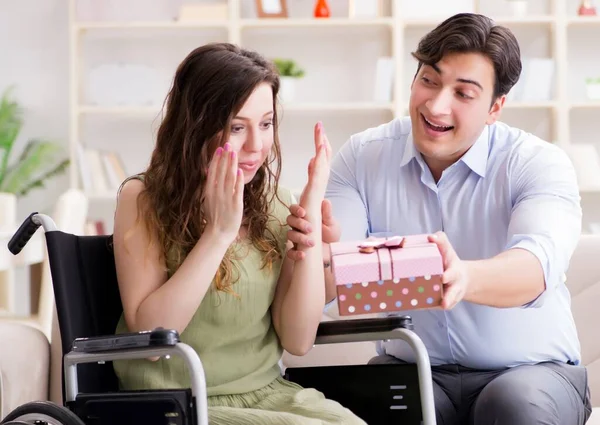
{"points": [[148, 407], [379, 394]]}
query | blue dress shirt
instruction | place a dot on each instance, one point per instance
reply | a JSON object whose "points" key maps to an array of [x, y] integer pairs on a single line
{"points": [[510, 190]]}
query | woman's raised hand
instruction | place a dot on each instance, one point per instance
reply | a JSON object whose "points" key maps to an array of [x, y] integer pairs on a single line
{"points": [[318, 172], [224, 194]]}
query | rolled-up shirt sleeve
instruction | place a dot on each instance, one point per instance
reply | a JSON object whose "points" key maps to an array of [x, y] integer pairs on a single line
{"points": [[343, 191], [546, 213]]}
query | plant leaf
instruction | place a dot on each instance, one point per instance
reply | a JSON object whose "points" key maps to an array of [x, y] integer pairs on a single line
{"points": [[38, 157], [10, 126], [40, 181]]}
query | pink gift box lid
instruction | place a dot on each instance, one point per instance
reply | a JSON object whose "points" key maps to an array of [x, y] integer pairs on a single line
{"points": [[415, 257]]}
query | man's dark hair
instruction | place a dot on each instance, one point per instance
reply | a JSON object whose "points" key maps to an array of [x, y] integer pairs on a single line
{"points": [[474, 33]]}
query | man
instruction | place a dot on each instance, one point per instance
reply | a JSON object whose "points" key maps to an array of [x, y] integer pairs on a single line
{"points": [[503, 207]]}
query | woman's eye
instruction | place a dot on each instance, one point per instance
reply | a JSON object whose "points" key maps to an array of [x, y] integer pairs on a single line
{"points": [[237, 128], [267, 124]]}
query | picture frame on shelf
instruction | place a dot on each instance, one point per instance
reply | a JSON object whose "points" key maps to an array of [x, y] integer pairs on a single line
{"points": [[271, 8]]}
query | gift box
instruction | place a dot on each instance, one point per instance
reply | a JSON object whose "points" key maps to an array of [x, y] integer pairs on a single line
{"points": [[387, 274]]}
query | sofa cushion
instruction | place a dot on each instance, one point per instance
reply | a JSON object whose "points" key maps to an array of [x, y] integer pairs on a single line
{"points": [[585, 312], [583, 281], [24, 362]]}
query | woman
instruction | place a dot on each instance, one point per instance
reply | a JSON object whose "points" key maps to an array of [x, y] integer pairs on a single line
{"points": [[200, 246]]}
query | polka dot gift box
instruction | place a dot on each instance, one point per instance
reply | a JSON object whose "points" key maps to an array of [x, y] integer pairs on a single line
{"points": [[387, 274]]}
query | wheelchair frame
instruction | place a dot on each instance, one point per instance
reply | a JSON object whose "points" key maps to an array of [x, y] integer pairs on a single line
{"points": [[333, 332]]}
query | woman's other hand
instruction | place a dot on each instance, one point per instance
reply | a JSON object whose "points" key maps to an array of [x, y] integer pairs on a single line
{"points": [[224, 194]]}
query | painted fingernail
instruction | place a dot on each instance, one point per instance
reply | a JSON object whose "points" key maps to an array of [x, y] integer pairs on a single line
{"points": [[227, 146], [232, 154], [239, 173], [311, 243], [307, 228], [219, 150]]}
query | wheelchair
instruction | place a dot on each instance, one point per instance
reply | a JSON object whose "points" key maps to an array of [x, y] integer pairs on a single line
{"points": [[88, 306]]}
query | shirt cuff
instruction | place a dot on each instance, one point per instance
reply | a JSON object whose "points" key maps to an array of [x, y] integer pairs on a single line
{"points": [[329, 304], [533, 245]]}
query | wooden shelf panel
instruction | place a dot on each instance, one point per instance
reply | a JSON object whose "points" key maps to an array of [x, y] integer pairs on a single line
{"points": [[170, 25], [531, 105], [530, 20], [311, 23], [314, 106], [583, 20], [119, 110], [341, 107]]}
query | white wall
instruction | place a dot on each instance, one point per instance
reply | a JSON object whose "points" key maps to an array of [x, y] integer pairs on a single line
{"points": [[34, 57]]}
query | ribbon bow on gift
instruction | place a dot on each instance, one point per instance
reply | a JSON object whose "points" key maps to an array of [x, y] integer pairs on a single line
{"points": [[370, 245]]}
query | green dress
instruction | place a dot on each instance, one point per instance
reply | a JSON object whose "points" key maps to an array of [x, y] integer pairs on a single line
{"points": [[240, 352]]}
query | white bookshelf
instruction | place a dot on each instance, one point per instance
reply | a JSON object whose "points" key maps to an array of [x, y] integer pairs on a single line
{"points": [[339, 55]]}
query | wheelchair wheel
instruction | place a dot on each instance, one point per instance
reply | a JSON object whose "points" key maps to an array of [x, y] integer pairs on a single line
{"points": [[41, 413]]}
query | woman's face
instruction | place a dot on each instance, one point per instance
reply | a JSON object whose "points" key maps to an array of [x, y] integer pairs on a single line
{"points": [[251, 132]]}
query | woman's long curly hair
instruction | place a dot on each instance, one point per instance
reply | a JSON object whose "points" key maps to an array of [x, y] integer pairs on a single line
{"points": [[209, 88]]}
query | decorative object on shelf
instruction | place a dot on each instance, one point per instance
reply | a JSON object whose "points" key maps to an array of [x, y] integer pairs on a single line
{"points": [[39, 161], [127, 10], [594, 228], [322, 9], [384, 79], [592, 86], [536, 83], [271, 8], [125, 84], [586, 8], [518, 8], [434, 10], [586, 163], [289, 72], [197, 12], [365, 8]]}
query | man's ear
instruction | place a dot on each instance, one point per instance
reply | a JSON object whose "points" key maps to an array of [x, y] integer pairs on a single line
{"points": [[495, 110]]}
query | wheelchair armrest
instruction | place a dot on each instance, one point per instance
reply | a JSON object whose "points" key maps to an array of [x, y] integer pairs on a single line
{"points": [[362, 326], [156, 343], [386, 328], [157, 338], [376, 329]]}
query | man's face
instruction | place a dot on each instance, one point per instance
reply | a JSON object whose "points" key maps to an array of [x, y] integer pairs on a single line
{"points": [[450, 104]]}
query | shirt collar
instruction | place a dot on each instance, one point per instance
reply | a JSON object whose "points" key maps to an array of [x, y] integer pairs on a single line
{"points": [[410, 151], [475, 158]]}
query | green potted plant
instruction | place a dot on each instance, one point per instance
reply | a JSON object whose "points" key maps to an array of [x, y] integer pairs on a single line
{"points": [[592, 86], [289, 72], [39, 161]]}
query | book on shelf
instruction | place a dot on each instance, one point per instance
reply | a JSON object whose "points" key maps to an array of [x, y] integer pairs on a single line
{"points": [[101, 172], [95, 228]]}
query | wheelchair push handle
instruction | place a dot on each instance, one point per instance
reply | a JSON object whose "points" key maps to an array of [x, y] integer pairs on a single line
{"points": [[23, 234]]}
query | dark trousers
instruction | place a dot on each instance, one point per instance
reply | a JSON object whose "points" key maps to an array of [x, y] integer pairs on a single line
{"points": [[545, 393]]}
